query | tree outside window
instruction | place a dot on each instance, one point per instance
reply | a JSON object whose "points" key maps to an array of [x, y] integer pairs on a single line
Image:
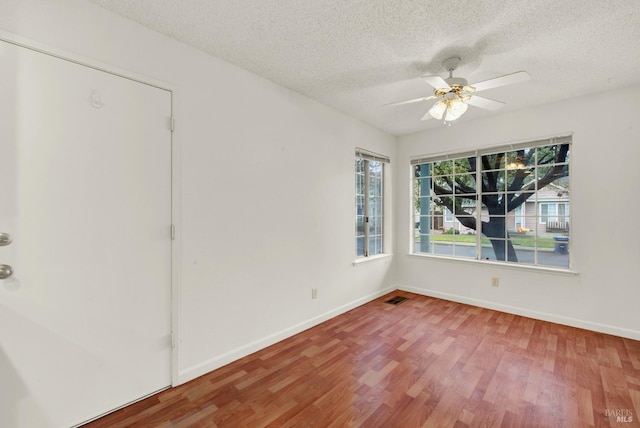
{"points": [[512, 204]]}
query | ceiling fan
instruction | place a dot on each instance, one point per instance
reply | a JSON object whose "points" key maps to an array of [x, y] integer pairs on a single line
{"points": [[455, 94]]}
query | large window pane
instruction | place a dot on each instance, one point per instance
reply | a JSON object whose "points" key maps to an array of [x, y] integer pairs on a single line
{"points": [[360, 246], [442, 168], [524, 256], [493, 162], [375, 186], [464, 165], [443, 185], [464, 246], [519, 179], [552, 155], [523, 197], [520, 159], [443, 248], [360, 224], [359, 184], [465, 184], [360, 205], [375, 169]]}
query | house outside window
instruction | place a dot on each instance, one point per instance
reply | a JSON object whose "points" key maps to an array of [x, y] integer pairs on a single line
{"points": [[370, 176], [553, 211], [448, 216], [511, 204], [519, 213]]}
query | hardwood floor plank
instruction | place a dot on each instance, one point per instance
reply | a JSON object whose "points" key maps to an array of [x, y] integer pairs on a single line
{"points": [[425, 362], [635, 399], [584, 403], [372, 377]]}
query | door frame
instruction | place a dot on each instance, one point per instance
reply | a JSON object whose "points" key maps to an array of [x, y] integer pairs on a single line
{"points": [[176, 239]]}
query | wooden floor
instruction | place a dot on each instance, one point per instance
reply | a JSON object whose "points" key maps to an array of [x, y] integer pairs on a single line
{"points": [[425, 362]]}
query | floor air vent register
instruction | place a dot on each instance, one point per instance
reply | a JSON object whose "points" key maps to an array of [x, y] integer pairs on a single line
{"points": [[396, 300]]}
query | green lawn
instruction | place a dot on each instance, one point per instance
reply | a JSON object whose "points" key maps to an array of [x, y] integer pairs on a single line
{"points": [[520, 241]]}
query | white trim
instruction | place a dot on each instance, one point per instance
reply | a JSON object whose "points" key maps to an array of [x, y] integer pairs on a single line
{"points": [[543, 316], [492, 264], [235, 354], [65, 55], [419, 160], [108, 412], [528, 144], [490, 149], [372, 156], [176, 244], [371, 258]]}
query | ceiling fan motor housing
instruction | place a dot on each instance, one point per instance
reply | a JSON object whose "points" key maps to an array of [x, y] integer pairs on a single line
{"points": [[456, 86], [457, 81]]}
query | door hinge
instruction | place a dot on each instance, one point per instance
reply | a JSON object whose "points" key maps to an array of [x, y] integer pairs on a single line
{"points": [[173, 232], [173, 339], [172, 123]]}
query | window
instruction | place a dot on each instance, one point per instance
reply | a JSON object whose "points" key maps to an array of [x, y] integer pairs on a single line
{"points": [[519, 213], [508, 204], [448, 216], [553, 211], [369, 203]]}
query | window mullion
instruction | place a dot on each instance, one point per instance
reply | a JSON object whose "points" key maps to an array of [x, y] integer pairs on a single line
{"points": [[478, 208], [536, 207], [382, 210], [367, 212]]}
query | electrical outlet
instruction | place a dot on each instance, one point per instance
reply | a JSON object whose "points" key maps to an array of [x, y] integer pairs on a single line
{"points": [[495, 281], [314, 293]]}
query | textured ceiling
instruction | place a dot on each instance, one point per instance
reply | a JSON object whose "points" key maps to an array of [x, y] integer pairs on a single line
{"points": [[356, 55]]}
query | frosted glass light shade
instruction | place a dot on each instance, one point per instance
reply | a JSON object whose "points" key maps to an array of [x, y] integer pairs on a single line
{"points": [[449, 108], [456, 109], [438, 109]]}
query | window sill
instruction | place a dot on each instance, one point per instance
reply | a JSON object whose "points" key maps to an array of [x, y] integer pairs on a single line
{"points": [[541, 269], [371, 258]]}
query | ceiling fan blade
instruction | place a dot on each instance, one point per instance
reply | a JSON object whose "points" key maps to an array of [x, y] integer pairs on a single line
{"points": [[437, 82], [507, 79], [485, 103], [427, 116], [415, 100]]}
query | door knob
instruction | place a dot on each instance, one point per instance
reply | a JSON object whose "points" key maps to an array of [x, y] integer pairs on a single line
{"points": [[5, 239], [5, 271]]}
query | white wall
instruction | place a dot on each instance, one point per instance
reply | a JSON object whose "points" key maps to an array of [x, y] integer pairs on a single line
{"points": [[605, 198], [267, 186], [267, 197]]}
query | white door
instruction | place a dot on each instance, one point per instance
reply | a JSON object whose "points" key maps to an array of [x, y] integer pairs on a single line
{"points": [[85, 173]]}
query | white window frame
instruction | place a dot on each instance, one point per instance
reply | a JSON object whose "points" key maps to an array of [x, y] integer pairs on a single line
{"points": [[368, 157], [415, 217]]}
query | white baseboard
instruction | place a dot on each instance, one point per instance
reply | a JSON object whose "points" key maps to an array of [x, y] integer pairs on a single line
{"points": [[543, 316], [233, 355]]}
